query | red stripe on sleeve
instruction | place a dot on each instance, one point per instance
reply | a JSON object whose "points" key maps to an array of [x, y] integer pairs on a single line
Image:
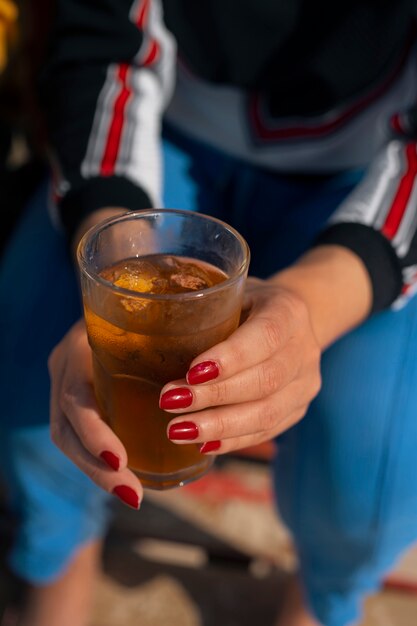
{"points": [[396, 124], [143, 13], [115, 132], [402, 197], [114, 136], [152, 54]]}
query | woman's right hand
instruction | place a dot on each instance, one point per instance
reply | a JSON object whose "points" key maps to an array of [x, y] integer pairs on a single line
{"points": [[76, 425]]}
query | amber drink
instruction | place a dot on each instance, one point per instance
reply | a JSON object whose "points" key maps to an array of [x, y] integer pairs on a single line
{"points": [[159, 288]]}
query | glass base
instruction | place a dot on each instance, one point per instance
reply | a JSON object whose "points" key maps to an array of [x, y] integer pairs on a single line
{"points": [[161, 482]]}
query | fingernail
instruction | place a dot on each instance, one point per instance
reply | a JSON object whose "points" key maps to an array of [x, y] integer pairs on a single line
{"points": [[202, 372], [179, 398], [127, 495], [184, 431], [111, 459], [210, 446]]}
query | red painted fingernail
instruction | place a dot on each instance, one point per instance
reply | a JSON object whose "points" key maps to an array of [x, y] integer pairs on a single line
{"points": [[184, 431], [210, 446], [179, 398], [111, 459], [127, 495], [202, 372]]}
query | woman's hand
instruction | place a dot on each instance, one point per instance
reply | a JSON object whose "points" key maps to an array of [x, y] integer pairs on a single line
{"points": [[76, 426], [245, 390], [255, 384], [258, 383], [261, 380]]}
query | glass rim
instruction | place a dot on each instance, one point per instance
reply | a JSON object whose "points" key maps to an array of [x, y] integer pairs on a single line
{"points": [[108, 285]]}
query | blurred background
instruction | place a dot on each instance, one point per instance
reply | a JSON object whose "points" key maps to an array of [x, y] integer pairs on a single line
{"points": [[213, 553]]}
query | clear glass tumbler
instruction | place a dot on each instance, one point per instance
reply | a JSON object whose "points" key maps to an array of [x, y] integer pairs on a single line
{"points": [[141, 341]]}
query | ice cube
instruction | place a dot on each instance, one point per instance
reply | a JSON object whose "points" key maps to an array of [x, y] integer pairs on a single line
{"points": [[187, 281], [139, 275], [191, 276], [135, 283]]}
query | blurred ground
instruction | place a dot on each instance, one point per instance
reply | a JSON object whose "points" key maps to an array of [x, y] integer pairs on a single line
{"points": [[212, 553], [215, 554]]}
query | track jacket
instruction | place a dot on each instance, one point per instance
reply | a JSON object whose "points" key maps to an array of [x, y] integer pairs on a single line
{"points": [[290, 85]]}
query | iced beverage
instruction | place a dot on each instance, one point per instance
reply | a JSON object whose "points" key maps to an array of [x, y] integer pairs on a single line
{"points": [[147, 318]]}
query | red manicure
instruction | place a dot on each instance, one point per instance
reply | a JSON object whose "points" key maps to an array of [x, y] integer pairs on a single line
{"points": [[210, 446], [111, 459], [127, 495], [184, 431], [202, 372], [179, 398]]}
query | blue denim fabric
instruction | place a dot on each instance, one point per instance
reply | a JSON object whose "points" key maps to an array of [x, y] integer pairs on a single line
{"points": [[57, 506]]}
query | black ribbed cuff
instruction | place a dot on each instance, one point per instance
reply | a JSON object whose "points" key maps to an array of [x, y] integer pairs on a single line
{"points": [[98, 193], [377, 254]]}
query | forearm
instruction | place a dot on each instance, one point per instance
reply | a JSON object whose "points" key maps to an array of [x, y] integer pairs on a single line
{"points": [[334, 284]]}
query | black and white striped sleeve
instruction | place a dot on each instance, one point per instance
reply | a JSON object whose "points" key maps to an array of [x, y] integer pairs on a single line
{"points": [[107, 80], [378, 220]]}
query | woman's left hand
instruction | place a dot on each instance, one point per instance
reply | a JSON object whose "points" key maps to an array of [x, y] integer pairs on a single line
{"points": [[255, 384]]}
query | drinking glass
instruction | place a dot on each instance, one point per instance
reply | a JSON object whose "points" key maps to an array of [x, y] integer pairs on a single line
{"points": [[140, 340]]}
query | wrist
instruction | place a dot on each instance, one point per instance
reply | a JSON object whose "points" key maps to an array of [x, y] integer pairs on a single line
{"points": [[333, 283]]}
